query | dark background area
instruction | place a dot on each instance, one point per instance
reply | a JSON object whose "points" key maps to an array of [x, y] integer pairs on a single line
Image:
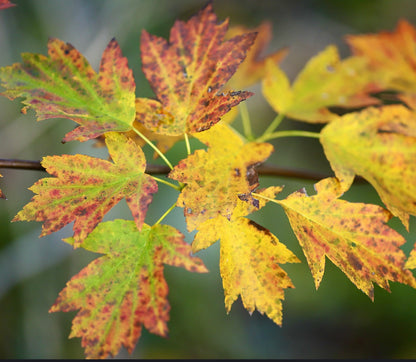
{"points": [[337, 321]]}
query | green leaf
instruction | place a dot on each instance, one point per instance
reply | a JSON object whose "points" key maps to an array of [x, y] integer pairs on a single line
{"points": [[125, 289], [64, 85]]}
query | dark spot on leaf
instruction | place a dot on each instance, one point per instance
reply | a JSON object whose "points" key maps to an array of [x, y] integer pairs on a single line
{"points": [[354, 261], [260, 228]]}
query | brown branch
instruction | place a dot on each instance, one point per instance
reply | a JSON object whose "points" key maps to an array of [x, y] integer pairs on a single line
{"points": [[265, 170]]}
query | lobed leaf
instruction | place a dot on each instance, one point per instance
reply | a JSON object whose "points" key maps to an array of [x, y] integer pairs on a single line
{"points": [[391, 57], [354, 236], [187, 74], [378, 144], [253, 68], [249, 260], [325, 81], [215, 178], [63, 85], [125, 289], [86, 188]]}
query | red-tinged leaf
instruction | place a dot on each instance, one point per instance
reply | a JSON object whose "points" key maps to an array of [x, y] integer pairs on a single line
{"points": [[86, 188], [215, 178], [4, 4], [354, 236], [253, 68], [378, 144], [187, 74], [392, 58], [249, 260], [125, 289], [64, 85]]}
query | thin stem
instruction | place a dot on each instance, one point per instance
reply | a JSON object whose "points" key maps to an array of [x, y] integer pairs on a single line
{"points": [[150, 143], [272, 126], [178, 188], [165, 214], [245, 117], [188, 146], [263, 170], [265, 197], [290, 133]]}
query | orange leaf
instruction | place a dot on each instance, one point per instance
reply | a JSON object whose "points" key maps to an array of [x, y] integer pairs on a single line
{"points": [[249, 258], [125, 289], [354, 236], [215, 178], [392, 57], [253, 68], [188, 73], [86, 188], [325, 81], [378, 144], [63, 85]]}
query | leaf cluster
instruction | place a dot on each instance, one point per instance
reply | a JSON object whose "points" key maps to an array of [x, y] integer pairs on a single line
{"points": [[197, 76]]}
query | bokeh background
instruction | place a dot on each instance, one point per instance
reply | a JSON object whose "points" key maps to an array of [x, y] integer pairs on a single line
{"points": [[337, 321]]}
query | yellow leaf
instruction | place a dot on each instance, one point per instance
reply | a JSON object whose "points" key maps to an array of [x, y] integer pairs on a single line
{"points": [[354, 236], [378, 144], [325, 81], [249, 261], [216, 177]]}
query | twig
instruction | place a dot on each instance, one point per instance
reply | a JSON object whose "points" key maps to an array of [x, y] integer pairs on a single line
{"points": [[265, 170]]}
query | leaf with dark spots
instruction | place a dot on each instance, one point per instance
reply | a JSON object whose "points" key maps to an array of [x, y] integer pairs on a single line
{"points": [[378, 144], [212, 185], [125, 289], [366, 251], [187, 74], [86, 188], [249, 260], [64, 85]]}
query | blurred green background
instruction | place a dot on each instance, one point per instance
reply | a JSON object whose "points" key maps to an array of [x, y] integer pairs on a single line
{"points": [[337, 321]]}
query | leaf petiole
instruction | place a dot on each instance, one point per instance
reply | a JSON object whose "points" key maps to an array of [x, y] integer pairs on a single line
{"points": [[165, 214], [272, 126], [265, 198], [176, 187], [245, 117], [150, 143], [290, 133], [188, 146]]}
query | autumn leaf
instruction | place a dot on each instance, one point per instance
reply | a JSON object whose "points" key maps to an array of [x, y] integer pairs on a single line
{"points": [[378, 144], [187, 74], [86, 188], [325, 81], [392, 58], [4, 4], [64, 85], [214, 178], [249, 259], [253, 68], [354, 236], [125, 289]]}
